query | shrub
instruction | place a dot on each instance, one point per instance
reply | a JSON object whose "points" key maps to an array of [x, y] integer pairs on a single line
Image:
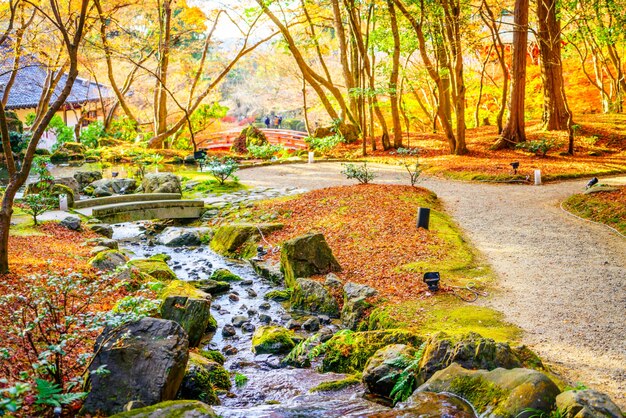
{"points": [[221, 169], [324, 144], [540, 147], [92, 134], [251, 135], [124, 129], [36, 204], [264, 152], [360, 172]]}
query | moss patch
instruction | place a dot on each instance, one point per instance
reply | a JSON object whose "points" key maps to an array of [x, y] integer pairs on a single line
{"points": [[225, 275], [154, 266], [181, 288], [240, 240], [335, 385], [272, 340], [480, 393], [213, 355], [172, 409], [278, 295]]}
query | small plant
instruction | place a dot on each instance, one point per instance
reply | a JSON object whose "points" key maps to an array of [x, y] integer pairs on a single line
{"points": [[540, 147], [11, 398], [407, 381], [222, 169], [360, 172], [51, 394], [240, 380], [414, 167], [265, 151], [324, 144], [36, 204], [335, 127], [408, 151]]}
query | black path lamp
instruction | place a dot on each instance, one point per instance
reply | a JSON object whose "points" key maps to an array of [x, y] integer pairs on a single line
{"points": [[515, 165], [431, 278], [592, 182]]}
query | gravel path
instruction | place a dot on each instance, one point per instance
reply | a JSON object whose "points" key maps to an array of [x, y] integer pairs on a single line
{"points": [[562, 280]]}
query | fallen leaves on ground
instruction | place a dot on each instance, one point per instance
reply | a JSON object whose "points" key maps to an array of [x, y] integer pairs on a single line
{"points": [[608, 207]]}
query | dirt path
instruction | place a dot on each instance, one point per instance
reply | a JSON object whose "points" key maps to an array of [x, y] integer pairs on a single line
{"points": [[562, 280]]}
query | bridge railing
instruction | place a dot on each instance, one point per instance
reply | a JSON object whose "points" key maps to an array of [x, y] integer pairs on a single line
{"points": [[224, 139]]}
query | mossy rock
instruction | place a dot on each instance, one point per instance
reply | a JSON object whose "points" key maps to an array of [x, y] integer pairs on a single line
{"points": [[108, 260], [305, 256], [154, 266], [312, 297], [278, 295], [335, 385], [240, 240], [59, 189], [211, 286], [224, 275], [272, 340], [75, 147], [348, 351], [189, 307], [213, 355], [171, 409], [203, 377], [497, 393]]}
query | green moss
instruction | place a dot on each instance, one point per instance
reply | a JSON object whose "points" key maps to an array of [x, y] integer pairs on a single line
{"points": [[428, 316], [154, 266], [181, 288], [212, 326], [480, 393], [175, 409], [224, 275], [213, 355], [161, 257], [272, 340], [348, 351], [220, 378], [334, 385], [211, 186], [236, 240], [278, 295]]}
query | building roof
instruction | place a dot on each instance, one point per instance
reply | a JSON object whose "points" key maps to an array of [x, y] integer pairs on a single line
{"points": [[30, 80]]}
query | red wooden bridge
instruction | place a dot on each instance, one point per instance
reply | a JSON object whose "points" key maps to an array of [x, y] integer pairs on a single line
{"points": [[224, 139]]}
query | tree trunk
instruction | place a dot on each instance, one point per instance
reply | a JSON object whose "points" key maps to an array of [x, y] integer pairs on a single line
{"points": [[556, 113], [393, 78], [514, 131]]}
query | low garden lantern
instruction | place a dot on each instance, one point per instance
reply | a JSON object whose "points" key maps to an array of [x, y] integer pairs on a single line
{"points": [[423, 217], [431, 278], [592, 182], [515, 165]]}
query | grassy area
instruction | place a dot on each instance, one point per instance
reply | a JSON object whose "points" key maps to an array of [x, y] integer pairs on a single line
{"points": [[608, 207]]}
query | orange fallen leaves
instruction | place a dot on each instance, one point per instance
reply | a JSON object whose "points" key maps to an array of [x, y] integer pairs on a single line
{"points": [[371, 230]]}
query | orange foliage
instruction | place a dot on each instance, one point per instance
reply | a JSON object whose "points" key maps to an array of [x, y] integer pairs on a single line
{"points": [[371, 230]]}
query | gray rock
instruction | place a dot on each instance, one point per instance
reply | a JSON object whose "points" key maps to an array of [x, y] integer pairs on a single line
{"points": [[98, 249], [229, 331], [182, 237], [293, 324], [333, 281], [587, 404], [133, 375], [71, 222], [115, 186], [312, 297], [383, 369], [238, 320], [211, 286], [102, 229], [248, 327], [265, 319], [356, 304], [108, 260], [312, 324], [513, 393], [434, 405], [161, 183], [102, 192], [85, 178], [103, 242], [71, 183], [305, 256]]}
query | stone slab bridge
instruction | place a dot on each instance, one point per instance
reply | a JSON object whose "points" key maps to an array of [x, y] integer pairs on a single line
{"points": [[138, 207], [224, 140]]}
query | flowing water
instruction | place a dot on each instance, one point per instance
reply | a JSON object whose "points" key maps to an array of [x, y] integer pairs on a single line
{"points": [[271, 389]]}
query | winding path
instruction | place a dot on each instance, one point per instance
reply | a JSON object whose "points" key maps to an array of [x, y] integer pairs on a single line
{"points": [[562, 279]]}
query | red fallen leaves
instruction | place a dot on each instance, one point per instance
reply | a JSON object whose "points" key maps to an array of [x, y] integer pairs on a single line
{"points": [[371, 230]]}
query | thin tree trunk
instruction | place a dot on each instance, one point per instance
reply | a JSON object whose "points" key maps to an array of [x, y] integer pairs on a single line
{"points": [[393, 78]]}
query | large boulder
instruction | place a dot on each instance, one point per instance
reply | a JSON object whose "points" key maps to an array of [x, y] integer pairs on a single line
{"points": [[587, 404], [497, 393], [240, 240], [108, 187], [69, 151], [348, 351], [470, 351], [168, 409], [202, 378], [383, 369], [189, 307], [305, 256], [105, 230], [173, 236], [272, 340], [357, 303], [155, 266], [145, 362], [161, 183], [108, 260], [71, 222], [85, 178], [312, 297], [71, 183], [350, 132]]}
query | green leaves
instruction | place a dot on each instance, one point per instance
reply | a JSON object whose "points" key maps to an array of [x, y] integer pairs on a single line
{"points": [[51, 394]]}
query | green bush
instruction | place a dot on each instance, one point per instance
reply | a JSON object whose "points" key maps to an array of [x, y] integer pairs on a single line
{"points": [[63, 132], [124, 129], [264, 152], [92, 134], [540, 147], [359, 172], [221, 169], [324, 144]]}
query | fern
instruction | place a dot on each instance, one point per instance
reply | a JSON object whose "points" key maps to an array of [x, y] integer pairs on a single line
{"points": [[49, 393], [405, 385]]}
